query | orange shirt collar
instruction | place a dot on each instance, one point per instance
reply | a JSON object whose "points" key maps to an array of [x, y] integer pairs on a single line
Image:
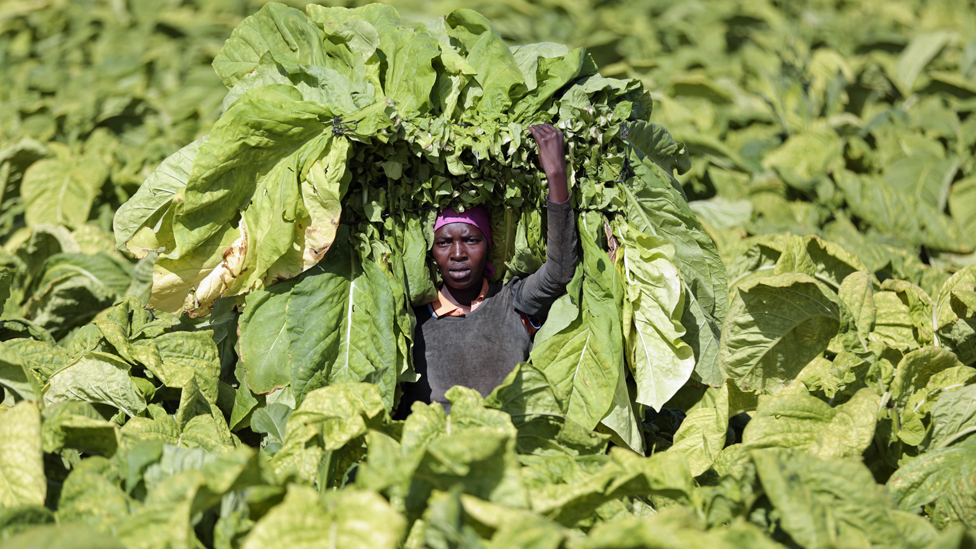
{"points": [[446, 305]]}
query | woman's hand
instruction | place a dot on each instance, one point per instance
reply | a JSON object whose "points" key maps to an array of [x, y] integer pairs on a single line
{"points": [[551, 153]]}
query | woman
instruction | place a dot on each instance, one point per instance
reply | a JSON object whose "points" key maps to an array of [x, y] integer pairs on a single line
{"points": [[475, 332]]}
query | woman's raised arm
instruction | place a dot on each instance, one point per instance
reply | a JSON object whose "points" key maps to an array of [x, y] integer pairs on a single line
{"points": [[537, 292]]}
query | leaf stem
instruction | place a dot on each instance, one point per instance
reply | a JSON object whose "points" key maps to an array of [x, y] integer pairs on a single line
{"points": [[957, 436]]}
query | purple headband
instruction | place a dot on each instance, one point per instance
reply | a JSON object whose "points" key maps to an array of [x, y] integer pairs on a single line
{"points": [[477, 216]]}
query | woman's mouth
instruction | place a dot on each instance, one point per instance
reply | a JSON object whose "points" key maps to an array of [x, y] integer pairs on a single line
{"points": [[459, 274]]}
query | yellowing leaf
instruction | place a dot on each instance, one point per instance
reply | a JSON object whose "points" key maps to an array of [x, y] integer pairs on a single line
{"points": [[22, 480]]}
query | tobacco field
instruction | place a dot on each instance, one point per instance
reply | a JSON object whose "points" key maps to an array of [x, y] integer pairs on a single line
{"points": [[215, 218]]}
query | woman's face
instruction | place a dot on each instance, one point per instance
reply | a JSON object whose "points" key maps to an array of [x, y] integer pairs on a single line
{"points": [[461, 252]]}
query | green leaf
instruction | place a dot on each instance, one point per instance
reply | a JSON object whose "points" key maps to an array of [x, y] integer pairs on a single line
{"points": [[942, 476], [73, 288], [409, 74], [653, 208], [326, 421], [220, 185], [101, 270], [674, 527], [181, 485], [528, 57], [355, 341], [15, 376], [276, 28], [915, 370], [352, 340], [272, 420], [114, 387], [263, 332], [953, 417], [776, 326], [538, 411], [161, 427], [41, 357], [576, 497], [857, 293], [498, 72], [444, 522], [660, 361], [22, 518], [621, 420], [702, 434], [322, 193], [417, 280], [923, 177], [192, 354], [722, 213], [808, 423], [527, 392], [653, 142], [6, 279], [90, 496], [332, 88], [21, 328], [79, 426], [962, 203], [476, 450], [893, 324], [817, 504], [200, 422], [62, 191], [823, 260], [920, 52], [955, 323], [547, 68], [895, 212], [349, 518], [21, 464], [803, 159]]}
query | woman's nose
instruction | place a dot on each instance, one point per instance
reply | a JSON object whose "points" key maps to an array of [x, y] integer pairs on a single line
{"points": [[457, 251]]}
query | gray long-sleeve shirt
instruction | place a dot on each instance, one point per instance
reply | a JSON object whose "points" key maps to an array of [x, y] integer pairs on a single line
{"points": [[479, 349]]}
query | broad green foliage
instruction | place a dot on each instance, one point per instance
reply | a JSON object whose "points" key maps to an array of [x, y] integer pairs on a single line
{"points": [[819, 505], [349, 519], [353, 339], [95, 97], [788, 234], [775, 326]]}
